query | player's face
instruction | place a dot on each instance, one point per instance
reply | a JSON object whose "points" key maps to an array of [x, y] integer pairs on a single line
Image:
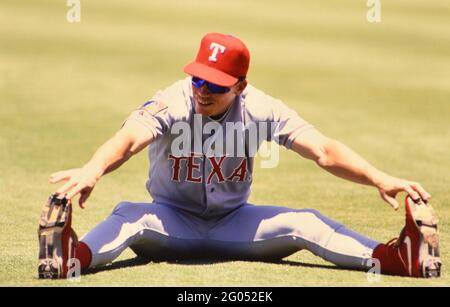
{"points": [[210, 104]]}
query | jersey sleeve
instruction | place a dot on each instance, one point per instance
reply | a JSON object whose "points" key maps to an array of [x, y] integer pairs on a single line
{"points": [[283, 124], [155, 115], [165, 108], [286, 124]]}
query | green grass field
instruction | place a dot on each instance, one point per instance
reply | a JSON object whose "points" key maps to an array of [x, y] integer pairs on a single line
{"points": [[383, 89]]}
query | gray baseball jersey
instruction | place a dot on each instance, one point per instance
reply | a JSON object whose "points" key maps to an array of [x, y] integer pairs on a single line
{"points": [[200, 195], [210, 185]]}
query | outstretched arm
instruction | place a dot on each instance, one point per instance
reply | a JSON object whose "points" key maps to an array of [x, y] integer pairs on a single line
{"points": [[343, 162], [129, 140]]}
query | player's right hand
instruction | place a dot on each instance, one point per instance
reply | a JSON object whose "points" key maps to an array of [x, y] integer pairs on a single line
{"points": [[78, 181], [390, 186]]}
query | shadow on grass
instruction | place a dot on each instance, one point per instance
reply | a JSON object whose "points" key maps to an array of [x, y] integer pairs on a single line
{"points": [[137, 261]]}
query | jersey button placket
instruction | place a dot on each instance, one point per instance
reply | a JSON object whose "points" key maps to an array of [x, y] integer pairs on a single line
{"points": [[207, 170]]}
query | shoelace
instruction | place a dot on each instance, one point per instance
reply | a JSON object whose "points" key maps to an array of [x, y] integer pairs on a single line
{"points": [[396, 242], [392, 243]]}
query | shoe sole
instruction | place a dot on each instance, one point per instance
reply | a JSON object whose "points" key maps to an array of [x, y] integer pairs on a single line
{"points": [[427, 223], [54, 217]]}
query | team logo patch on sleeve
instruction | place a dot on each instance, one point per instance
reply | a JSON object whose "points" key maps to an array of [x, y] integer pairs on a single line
{"points": [[153, 107]]}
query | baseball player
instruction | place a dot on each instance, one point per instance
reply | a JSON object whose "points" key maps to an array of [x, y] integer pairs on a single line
{"points": [[200, 195]]}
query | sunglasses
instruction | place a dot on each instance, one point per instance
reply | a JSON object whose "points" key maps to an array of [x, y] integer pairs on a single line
{"points": [[212, 88]]}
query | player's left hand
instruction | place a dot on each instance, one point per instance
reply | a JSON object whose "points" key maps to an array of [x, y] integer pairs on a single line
{"points": [[391, 186]]}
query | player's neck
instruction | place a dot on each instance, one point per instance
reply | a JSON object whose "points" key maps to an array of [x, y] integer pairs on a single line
{"points": [[220, 117]]}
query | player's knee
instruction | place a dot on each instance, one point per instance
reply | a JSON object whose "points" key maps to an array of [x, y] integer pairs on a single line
{"points": [[308, 223], [316, 213], [295, 223], [121, 208]]}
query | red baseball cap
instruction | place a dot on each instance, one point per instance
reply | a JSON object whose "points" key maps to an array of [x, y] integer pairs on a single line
{"points": [[222, 59]]}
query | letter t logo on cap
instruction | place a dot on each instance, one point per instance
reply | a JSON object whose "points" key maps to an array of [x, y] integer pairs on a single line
{"points": [[215, 47]]}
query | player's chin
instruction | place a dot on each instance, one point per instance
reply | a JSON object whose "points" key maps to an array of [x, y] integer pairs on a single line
{"points": [[205, 109]]}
